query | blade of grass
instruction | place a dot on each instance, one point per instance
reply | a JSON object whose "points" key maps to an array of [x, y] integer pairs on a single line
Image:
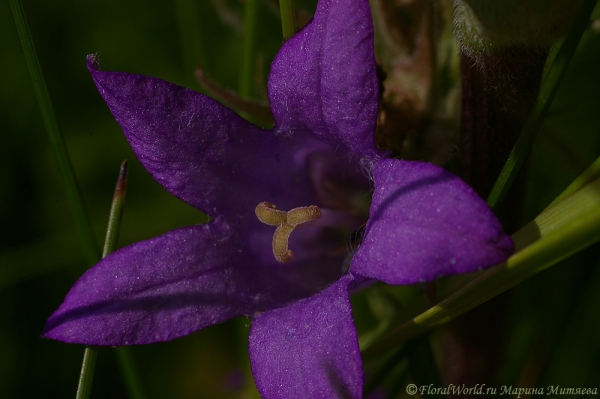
{"points": [[288, 18], [76, 204], [550, 85], [249, 48], [82, 222], [88, 366], [116, 212], [110, 242]]}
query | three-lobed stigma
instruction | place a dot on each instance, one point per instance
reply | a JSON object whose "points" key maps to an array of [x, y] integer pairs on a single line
{"points": [[286, 222]]}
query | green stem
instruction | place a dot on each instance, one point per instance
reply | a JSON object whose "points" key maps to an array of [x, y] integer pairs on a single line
{"points": [[550, 86], [87, 372], [288, 18], [74, 197], [116, 211], [249, 48]]}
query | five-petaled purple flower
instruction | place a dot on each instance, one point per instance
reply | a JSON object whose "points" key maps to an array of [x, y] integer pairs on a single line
{"points": [[297, 187]]}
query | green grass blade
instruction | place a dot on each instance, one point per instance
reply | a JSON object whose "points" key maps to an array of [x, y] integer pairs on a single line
{"points": [[82, 222], [116, 211], [112, 234], [550, 85], [249, 48], [84, 388], [288, 18]]}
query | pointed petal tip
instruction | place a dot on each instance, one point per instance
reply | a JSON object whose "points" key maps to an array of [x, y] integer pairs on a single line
{"points": [[93, 63], [49, 332], [323, 79], [54, 329], [313, 339], [427, 223]]}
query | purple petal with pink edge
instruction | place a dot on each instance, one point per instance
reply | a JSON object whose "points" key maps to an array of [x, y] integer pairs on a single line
{"points": [[324, 81], [426, 223], [204, 153], [308, 349]]}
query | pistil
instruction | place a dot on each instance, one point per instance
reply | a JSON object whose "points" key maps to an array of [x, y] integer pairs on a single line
{"points": [[286, 222]]}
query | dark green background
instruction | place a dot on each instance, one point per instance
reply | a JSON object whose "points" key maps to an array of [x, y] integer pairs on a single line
{"points": [[39, 249]]}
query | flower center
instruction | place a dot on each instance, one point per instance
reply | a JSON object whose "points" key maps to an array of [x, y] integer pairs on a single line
{"points": [[286, 222]]}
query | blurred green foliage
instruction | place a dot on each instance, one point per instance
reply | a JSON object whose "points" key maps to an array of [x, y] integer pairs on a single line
{"points": [[39, 254], [553, 321]]}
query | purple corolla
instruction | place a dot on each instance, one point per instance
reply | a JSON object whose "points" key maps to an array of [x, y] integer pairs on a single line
{"points": [[285, 206]]}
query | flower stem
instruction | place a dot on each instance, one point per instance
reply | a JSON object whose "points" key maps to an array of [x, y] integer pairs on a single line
{"points": [[74, 197], [112, 232], [116, 211], [288, 18], [87, 372], [550, 85], [248, 51]]}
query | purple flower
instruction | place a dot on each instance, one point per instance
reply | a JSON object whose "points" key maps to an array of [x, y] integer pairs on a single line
{"points": [[424, 222]]}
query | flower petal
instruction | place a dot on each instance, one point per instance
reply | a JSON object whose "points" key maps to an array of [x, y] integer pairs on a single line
{"points": [[168, 287], [204, 153], [324, 81], [308, 349], [426, 223]]}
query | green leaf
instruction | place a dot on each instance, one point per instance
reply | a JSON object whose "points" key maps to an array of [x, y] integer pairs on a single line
{"points": [[288, 18]]}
